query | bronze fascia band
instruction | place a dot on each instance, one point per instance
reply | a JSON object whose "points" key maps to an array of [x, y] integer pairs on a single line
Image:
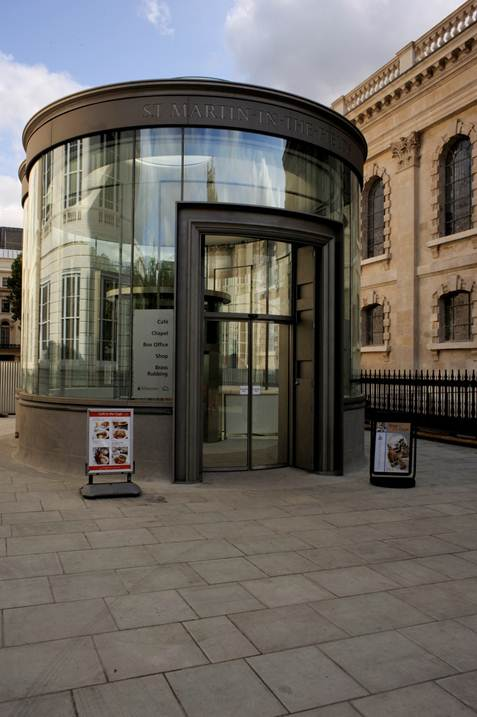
{"points": [[194, 103]]}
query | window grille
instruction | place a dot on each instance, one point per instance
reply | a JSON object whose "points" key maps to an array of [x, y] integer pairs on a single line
{"points": [[454, 316], [458, 187], [375, 214], [372, 329]]}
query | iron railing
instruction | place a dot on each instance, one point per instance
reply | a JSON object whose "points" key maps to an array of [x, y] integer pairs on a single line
{"points": [[10, 377], [436, 399]]}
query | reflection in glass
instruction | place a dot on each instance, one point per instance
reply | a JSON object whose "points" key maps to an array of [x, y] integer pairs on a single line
{"points": [[83, 196], [244, 276], [269, 431], [85, 214], [247, 168], [225, 399]]}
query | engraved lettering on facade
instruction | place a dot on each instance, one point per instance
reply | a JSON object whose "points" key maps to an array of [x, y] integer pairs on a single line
{"points": [[152, 110], [195, 112], [210, 112], [242, 114], [179, 111]]}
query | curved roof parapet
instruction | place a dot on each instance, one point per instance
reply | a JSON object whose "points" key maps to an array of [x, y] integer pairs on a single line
{"points": [[193, 102]]}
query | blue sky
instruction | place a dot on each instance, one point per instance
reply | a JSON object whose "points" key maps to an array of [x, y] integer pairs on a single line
{"points": [[103, 41], [318, 48]]}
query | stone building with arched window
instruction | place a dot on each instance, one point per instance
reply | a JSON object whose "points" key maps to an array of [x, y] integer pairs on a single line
{"points": [[419, 204]]}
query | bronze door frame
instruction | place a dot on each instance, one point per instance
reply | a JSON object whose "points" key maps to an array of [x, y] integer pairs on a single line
{"points": [[194, 221]]}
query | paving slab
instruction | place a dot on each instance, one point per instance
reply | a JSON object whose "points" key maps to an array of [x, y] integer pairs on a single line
{"points": [[117, 538], [352, 580], [449, 640], [220, 599], [409, 573], [24, 591], [413, 702], [83, 561], [146, 651], [235, 529], [219, 639], [191, 550], [463, 538], [374, 612], [451, 566], [56, 527], [159, 577], [268, 544], [328, 558], [295, 524], [469, 621], [227, 570], [58, 705], [84, 586], [176, 533], [226, 690], [304, 678], [28, 566], [441, 600], [36, 517], [282, 628], [464, 687], [285, 590], [48, 667], [343, 709], [386, 661], [377, 551], [54, 621], [140, 697], [46, 543], [425, 545], [156, 608], [274, 564]]}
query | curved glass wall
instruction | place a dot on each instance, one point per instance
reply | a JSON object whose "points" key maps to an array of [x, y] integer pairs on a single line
{"points": [[100, 237]]}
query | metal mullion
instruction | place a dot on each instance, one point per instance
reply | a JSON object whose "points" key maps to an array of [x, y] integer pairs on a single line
{"points": [[249, 394], [225, 316]]}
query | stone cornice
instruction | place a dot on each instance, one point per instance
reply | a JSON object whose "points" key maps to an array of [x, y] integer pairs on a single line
{"points": [[415, 67], [411, 83], [445, 41]]}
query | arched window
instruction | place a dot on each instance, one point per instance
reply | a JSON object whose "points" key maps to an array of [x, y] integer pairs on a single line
{"points": [[454, 316], [5, 333], [375, 224], [458, 186], [372, 326]]}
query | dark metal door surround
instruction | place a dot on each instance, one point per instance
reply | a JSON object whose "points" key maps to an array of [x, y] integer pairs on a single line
{"points": [[317, 366], [305, 290], [246, 407]]}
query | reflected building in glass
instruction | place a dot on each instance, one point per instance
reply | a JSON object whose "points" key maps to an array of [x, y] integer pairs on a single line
{"points": [[191, 250]]}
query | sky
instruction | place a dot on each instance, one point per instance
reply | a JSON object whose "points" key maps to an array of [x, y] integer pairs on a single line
{"points": [[316, 48]]}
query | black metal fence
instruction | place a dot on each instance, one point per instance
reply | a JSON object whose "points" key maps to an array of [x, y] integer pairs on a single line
{"points": [[446, 400]]}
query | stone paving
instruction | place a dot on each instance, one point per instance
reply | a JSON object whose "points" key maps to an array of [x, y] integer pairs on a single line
{"points": [[276, 593]]}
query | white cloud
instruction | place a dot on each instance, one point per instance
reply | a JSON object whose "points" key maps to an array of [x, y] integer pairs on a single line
{"points": [[158, 13], [323, 49], [24, 89], [11, 212]]}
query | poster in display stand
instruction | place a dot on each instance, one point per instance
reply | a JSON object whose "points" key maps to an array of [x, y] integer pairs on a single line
{"points": [[110, 451], [393, 453]]}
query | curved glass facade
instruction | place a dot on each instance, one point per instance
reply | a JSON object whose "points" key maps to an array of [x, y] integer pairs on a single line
{"points": [[100, 237]]}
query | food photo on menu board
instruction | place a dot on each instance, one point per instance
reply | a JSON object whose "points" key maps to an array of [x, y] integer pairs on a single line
{"points": [[110, 445], [392, 447]]}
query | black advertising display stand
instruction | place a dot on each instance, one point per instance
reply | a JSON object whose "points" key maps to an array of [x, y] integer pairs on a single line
{"points": [[393, 453], [110, 451]]}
